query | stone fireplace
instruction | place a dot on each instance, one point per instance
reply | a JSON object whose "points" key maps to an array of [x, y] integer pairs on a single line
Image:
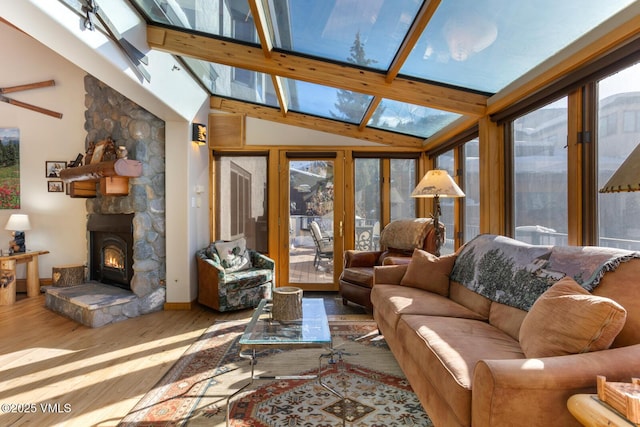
{"points": [[125, 234]]}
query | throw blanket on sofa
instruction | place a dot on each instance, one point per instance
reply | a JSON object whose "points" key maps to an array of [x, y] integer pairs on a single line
{"points": [[405, 234], [516, 273]]}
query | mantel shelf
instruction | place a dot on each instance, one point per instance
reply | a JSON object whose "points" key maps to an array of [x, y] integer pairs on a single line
{"points": [[94, 171]]}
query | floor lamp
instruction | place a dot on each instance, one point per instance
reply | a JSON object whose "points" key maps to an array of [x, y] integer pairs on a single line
{"points": [[435, 184]]}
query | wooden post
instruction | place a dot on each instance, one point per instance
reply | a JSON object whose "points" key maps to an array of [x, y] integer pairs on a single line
{"points": [[287, 303], [33, 278], [7, 281]]}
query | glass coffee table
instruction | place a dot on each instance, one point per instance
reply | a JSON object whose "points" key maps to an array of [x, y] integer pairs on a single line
{"points": [[263, 332]]}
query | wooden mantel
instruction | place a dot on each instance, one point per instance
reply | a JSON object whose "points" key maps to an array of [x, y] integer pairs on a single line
{"points": [[113, 176], [94, 171]]}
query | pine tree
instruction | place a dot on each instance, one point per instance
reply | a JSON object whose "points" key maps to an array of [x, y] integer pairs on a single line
{"points": [[351, 105]]}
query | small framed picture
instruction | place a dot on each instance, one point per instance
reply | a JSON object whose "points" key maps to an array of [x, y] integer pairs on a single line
{"points": [[53, 168], [98, 152], [55, 186]]}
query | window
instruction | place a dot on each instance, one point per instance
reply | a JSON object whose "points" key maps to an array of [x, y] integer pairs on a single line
{"points": [[608, 124], [631, 120], [618, 94], [540, 175], [446, 161], [403, 180], [241, 183], [368, 203], [382, 194], [471, 188], [460, 158]]}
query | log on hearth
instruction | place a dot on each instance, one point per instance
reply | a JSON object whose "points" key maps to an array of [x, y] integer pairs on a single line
{"points": [[119, 167], [67, 275]]}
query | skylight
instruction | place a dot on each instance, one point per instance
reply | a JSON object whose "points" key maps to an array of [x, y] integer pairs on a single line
{"points": [[320, 57]]}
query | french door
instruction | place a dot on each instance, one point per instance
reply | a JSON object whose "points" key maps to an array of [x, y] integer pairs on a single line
{"points": [[311, 220]]}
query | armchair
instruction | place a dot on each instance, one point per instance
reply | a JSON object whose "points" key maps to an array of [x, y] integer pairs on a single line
{"points": [[324, 245], [397, 241], [231, 277]]}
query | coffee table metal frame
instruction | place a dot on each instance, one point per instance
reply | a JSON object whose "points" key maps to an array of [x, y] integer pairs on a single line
{"points": [[312, 331]]}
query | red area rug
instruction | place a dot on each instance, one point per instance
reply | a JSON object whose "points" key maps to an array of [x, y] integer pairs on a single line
{"points": [[194, 392]]}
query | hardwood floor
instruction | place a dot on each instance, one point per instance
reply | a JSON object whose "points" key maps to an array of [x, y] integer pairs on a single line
{"points": [[56, 372], [95, 376]]}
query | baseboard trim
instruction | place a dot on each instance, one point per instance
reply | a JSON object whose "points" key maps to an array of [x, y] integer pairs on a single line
{"points": [[178, 306]]}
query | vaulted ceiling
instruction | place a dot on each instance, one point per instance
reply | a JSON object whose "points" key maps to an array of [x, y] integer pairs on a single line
{"points": [[395, 72]]}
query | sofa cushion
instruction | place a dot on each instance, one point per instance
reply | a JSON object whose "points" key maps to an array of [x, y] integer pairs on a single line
{"points": [[394, 301], [233, 255], [473, 301], [450, 348], [567, 319], [506, 318], [427, 271]]}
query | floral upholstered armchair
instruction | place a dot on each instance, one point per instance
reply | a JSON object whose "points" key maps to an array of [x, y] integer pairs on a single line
{"points": [[232, 277]]}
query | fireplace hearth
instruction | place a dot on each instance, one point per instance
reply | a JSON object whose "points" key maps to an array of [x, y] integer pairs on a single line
{"points": [[111, 249], [126, 248]]}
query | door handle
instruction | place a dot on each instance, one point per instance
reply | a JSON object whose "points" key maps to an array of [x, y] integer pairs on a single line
{"points": [[340, 229]]}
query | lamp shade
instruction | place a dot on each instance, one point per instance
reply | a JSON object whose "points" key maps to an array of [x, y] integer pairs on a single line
{"points": [[18, 222], [627, 177], [439, 183]]}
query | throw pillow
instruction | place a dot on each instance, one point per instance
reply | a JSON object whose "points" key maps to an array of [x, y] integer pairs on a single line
{"points": [[427, 271], [567, 319], [233, 255]]}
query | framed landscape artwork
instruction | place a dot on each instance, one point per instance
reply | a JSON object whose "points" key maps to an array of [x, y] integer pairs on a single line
{"points": [[9, 168]]}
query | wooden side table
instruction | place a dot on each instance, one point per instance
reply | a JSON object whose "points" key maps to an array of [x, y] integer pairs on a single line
{"points": [[592, 412], [8, 275]]}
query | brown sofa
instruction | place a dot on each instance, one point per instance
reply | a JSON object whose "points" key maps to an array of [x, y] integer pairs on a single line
{"points": [[398, 239], [476, 358]]}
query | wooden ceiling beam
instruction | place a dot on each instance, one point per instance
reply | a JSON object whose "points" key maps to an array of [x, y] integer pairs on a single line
{"points": [[373, 106], [450, 131], [297, 67], [315, 123], [264, 35], [279, 89], [262, 26], [413, 35]]}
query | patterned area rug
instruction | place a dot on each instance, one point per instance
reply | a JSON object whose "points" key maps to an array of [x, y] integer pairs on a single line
{"points": [[194, 392]]}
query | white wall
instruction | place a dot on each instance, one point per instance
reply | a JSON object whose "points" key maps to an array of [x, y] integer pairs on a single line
{"points": [[171, 95], [62, 50], [262, 132], [58, 222]]}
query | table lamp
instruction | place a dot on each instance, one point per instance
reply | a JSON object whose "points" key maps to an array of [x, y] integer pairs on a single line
{"points": [[437, 183], [18, 223]]}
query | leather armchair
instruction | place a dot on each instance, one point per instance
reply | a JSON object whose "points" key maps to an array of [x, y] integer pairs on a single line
{"points": [[397, 240]]}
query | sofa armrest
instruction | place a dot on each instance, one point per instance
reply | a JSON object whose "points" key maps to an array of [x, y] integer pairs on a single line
{"points": [[209, 264], [396, 260], [354, 258], [389, 274], [507, 390], [259, 260]]}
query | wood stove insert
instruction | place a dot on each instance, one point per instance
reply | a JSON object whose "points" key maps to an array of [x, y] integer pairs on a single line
{"points": [[111, 249]]}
